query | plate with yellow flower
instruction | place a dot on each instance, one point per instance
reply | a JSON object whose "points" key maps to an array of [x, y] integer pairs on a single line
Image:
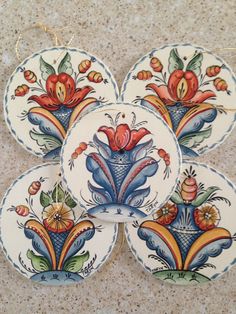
{"points": [[44, 233], [191, 239]]}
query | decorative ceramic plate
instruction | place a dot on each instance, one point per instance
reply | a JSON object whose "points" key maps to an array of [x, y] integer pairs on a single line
{"points": [[120, 162], [46, 236], [191, 238], [191, 89], [48, 91]]}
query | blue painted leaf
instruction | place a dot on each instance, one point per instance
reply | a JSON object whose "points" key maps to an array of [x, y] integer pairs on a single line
{"points": [[100, 196], [46, 126], [197, 122], [103, 148], [38, 243], [79, 242], [136, 198], [188, 151], [156, 243], [53, 154], [137, 176], [101, 173], [211, 250], [140, 151]]}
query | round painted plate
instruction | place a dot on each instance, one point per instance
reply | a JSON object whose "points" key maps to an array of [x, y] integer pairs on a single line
{"points": [[45, 234], [190, 88], [48, 91], [120, 162], [190, 239]]}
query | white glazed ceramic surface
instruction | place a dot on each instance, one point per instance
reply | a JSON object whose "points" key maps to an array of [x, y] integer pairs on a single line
{"points": [[192, 238], [191, 89], [48, 91], [46, 236], [121, 162]]}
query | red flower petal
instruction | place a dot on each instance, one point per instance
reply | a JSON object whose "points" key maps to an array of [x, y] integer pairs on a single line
{"points": [[122, 136], [110, 133], [69, 84], [202, 96], [192, 83], [79, 95], [51, 87], [135, 137], [45, 102], [162, 92]]}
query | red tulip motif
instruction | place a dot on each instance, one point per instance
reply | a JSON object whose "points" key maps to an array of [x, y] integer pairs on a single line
{"points": [[122, 138], [61, 90], [182, 87]]}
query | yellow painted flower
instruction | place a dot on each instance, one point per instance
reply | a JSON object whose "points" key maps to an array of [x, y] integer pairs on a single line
{"points": [[58, 217], [207, 217]]}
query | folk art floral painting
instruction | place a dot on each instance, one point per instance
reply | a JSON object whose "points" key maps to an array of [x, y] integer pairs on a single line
{"points": [[120, 162], [191, 239], [45, 234], [192, 89], [48, 91]]}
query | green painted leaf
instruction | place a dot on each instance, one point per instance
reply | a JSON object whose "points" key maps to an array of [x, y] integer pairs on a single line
{"points": [[176, 198], [46, 69], [203, 197], [45, 199], [70, 202], [39, 263], [58, 195], [194, 139], [75, 263], [175, 63], [49, 142], [65, 65], [195, 64]]}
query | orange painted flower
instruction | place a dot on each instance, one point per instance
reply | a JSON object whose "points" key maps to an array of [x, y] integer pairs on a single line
{"points": [[166, 214], [182, 87], [58, 217], [122, 138], [207, 217], [61, 90]]}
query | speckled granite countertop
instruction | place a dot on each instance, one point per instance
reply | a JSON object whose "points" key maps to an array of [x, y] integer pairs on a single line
{"points": [[119, 32]]}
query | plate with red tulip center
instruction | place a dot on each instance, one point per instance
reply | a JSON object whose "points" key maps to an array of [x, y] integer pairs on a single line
{"points": [[48, 91], [120, 161], [193, 90]]}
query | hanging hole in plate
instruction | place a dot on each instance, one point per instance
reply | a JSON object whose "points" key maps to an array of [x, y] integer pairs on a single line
{"points": [[121, 151]]}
